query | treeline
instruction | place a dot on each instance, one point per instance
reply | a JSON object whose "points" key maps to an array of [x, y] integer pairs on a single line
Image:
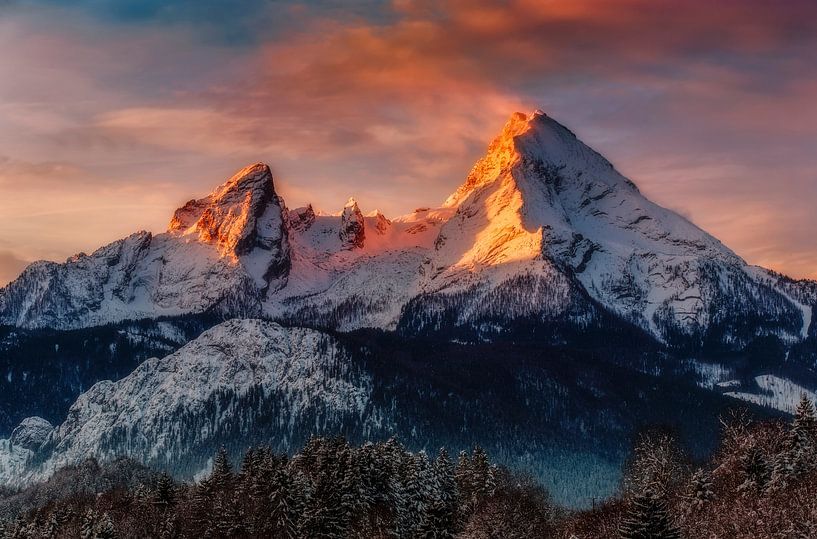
{"points": [[328, 490], [759, 484]]}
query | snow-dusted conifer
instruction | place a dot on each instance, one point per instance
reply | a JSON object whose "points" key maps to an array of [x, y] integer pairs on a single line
{"points": [[700, 491], [105, 528], [222, 472], [87, 528], [756, 471], [283, 506], [804, 437], [164, 495], [648, 518]]}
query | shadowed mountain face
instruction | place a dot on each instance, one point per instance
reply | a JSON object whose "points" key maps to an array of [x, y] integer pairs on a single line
{"points": [[565, 416]]}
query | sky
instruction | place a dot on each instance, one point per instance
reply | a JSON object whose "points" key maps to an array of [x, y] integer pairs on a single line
{"points": [[115, 112]]}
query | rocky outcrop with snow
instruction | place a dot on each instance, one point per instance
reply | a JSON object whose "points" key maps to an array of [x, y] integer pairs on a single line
{"points": [[240, 379], [221, 253], [352, 232], [32, 433], [543, 229]]}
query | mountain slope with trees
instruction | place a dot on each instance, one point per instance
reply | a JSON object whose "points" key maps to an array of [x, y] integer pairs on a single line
{"points": [[760, 483]]}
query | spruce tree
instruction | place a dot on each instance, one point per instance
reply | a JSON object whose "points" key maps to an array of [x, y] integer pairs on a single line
{"points": [[52, 527], [164, 495], [701, 492], [168, 529], [648, 519], [783, 469], [442, 505], [141, 495], [87, 528], [804, 425], [464, 479], [105, 528], [804, 437], [222, 472], [756, 471], [249, 466], [483, 474], [283, 510]]}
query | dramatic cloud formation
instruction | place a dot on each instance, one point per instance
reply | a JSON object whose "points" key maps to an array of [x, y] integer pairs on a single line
{"points": [[113, 113]]}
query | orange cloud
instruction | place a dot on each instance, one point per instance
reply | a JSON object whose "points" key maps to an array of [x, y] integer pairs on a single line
{"points": [[707, 106]]}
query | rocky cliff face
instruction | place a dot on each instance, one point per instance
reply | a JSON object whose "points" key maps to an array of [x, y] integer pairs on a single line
{"points": [[235, 377], [352, 226]]}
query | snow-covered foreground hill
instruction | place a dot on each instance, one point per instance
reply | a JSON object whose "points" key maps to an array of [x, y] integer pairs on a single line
{"points": [[565, 418], [544, 230]]}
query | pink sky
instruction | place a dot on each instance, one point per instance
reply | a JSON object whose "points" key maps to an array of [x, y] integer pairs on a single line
{"points": [[110, 120]]}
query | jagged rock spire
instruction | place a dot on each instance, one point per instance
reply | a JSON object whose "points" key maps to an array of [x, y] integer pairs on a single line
{"points": [[230, 216], [352, 226]]}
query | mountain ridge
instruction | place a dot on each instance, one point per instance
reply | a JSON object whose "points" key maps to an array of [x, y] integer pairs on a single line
{"points": [[543, 227]]}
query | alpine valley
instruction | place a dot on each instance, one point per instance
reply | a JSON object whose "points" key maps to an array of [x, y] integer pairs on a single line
{"points": [[546, 311]]}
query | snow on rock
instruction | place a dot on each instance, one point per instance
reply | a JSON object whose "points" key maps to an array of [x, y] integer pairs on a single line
{"points": [[775, 392], [14, 460], [32, 433], [222, 253], [542, 197], [352, 226], [301, 219], [543, 227], [231, 381]]}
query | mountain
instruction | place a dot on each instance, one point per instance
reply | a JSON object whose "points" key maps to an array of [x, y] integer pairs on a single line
{"points": [[546, 310], [44, 370], [547, 212], [544, 233], [219, 254], [566, 417]]}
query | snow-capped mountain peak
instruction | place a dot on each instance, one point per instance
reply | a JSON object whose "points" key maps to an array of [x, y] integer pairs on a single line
{"points": [[543, 204], [236, 216], [543, 228]]}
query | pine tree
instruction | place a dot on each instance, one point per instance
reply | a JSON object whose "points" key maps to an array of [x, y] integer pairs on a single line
{"points": [[325, 516], [464, 478], [783, 469], [105, 528], [164, 495], [804, 437], [483, 479], [249, 465], [52, 527], [283, 510], [168, 529], [88, 526], [648, 519], [804, 425], [442, 506], [701, 492], [222, 472], [756, 471], [141, 495]]}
